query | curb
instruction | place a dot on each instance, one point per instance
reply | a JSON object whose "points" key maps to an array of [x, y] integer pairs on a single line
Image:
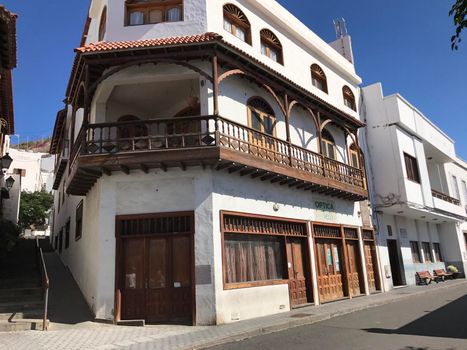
{"points": [[288, 324]]}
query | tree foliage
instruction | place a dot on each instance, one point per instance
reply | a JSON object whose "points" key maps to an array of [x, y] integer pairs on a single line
{"points": [[9, 235], [459, 12], [34, 208]]}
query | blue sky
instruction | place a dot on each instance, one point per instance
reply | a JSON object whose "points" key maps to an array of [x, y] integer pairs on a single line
{"points": [[403, 44]]}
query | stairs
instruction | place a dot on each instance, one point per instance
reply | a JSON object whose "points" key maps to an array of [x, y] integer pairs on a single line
{"points": [[21, 304]]}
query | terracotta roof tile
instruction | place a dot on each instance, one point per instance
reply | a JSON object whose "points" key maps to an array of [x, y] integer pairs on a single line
{"points": [[105, 46]]}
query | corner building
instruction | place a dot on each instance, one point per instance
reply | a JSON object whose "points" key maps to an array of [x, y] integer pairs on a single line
{"points": [[209, 167]]}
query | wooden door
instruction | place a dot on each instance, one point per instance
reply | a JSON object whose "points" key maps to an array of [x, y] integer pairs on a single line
{"points": [[330, 281], [296, 255], [133, 280], [157, 278], [371, 267], [356, 283]]}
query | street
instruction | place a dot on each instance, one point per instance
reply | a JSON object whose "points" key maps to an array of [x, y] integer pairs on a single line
{"points": [[434, 321]]}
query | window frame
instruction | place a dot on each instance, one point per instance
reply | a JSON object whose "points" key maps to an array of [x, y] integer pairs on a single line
{"points": [[67, 234], [455, 187], [271, 42], [317, 74], [147, 6], [264, 114], [353, 151], [236, 22], [427, 253], [349, 98], [326, 142], [411, 168], [415, 250], [438, 256], [102, 24], [79, 221]]}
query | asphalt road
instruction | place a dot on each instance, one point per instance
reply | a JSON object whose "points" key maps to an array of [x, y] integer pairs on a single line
{"points": [[434, 321]]}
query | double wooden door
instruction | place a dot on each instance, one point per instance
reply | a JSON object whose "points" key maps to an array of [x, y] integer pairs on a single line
{"points": [[330, 269], [356, 281], [156, 278], [297, 269]]}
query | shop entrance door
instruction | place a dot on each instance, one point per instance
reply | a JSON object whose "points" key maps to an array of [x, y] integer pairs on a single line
{"points": [[330, 279], [296, 258]]}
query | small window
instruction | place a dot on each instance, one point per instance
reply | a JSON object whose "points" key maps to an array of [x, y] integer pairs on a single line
{"points": [[153, 11], [427, 252], [60, 241], [67, 234], [354, 156], [271, 46], [236, 23], [437, 250], [103, 24], [349, 98], [464, 189], [318, 78], [415, 252], [328, 146], [79, 221], [261, 116], [411, 166]]}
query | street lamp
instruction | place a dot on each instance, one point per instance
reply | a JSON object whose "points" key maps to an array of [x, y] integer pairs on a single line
{"points": [[9, 183], [6, 161]]}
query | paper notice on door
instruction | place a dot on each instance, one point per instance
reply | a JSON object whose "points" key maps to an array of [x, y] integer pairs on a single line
{"points": [[130, 280], [177, 284]]}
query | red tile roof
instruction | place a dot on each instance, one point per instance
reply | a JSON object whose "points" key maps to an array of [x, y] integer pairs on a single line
{"points": [[105, 46]]}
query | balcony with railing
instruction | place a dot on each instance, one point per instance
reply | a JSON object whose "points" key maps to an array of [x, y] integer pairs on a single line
{"points": [[205, 141], [447, 204], [445, 197], [61, 161]]}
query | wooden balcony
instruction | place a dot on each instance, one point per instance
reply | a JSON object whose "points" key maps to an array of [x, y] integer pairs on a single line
{"points": [[61, 162], [445, 197], [206, 141]]}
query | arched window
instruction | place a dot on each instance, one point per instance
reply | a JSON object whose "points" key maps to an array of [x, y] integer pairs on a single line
{"points": [[271, 46], [328, 146], [318, 78], [236, 23], [261, 117], [103, 24], [354, 156], [153, 11], [349, 98]]}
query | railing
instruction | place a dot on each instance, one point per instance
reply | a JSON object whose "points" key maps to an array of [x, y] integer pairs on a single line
{"points": [[445, 197], [44, 282], [207, 131]]}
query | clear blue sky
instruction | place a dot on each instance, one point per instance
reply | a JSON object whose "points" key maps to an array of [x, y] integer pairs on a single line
{"points": [[403, 44]]}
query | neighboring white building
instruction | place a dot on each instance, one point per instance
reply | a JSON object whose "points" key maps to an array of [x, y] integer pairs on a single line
{"points": [[208, 167], [420, 193]]}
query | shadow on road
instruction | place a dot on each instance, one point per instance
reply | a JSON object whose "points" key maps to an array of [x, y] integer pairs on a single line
{"points": [[449, 321]]}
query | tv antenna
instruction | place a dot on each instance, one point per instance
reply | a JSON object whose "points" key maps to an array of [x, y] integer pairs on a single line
{"points": [[341, 28]]}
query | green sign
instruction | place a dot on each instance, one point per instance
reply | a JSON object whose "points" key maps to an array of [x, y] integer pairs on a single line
{"points": [[324, 206]]}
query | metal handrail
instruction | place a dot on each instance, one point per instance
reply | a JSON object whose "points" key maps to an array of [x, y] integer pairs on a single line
{"points": [[45, 283]]}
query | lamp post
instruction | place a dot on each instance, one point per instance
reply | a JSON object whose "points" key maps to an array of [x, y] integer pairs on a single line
{"points": [[5, 163]]}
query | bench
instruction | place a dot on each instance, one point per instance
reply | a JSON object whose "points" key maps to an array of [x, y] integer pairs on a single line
{"points": [[424, 277], [443, 274]]}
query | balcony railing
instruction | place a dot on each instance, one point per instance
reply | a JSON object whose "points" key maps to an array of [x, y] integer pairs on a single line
{"points": [[445, 197], [208, 132]]}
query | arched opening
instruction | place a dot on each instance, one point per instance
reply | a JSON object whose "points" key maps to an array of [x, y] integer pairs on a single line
{"points": [[349, 98], [103, 24], [141, 12], [271, 46], [318, 78], [236, 23], [328, 145]]}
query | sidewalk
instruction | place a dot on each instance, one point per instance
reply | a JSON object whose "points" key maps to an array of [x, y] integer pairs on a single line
{"points": [[98, 336]]}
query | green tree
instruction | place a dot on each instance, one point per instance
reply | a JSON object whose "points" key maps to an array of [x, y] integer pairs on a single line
{"points": [[33, 208], [459, 12], [9, 233]]}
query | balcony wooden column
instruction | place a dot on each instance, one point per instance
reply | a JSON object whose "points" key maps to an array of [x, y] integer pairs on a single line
{"points": [[319, 128], [215, 84], [287, 126]]}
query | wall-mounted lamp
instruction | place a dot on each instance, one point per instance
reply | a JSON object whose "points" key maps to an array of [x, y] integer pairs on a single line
{"points": [[6, 161]]}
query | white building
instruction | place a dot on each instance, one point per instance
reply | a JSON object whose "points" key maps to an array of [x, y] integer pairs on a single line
{"points": [[208, 166], [420, 193]]}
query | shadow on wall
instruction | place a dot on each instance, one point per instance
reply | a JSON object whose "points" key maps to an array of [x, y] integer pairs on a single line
{"points": [[448, 321]]}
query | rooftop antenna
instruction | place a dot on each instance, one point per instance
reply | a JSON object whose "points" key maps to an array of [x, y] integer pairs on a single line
{"points": [[341, 28]]}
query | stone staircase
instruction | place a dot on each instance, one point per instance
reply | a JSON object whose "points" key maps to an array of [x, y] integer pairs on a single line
{"points": [[21, 303]]}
